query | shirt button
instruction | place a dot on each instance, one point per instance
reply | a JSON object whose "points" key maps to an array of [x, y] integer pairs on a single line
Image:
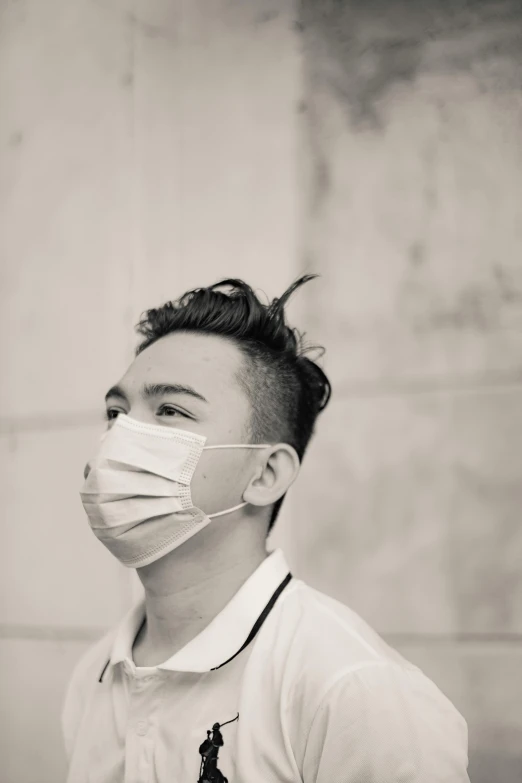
{"points": [[141, 728]]}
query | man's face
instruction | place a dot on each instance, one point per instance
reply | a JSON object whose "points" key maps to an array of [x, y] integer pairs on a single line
{"points": [[209, 402]]}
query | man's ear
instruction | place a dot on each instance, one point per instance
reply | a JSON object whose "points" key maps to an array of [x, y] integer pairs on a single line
{"points": [[274, 476]]}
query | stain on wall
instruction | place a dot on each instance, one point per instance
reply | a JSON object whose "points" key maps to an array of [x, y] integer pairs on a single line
{"points": [[366, 49], [414, 182], [413, 217]]}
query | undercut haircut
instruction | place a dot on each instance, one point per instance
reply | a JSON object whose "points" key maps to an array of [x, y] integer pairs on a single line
{"points": [[286, 389]]}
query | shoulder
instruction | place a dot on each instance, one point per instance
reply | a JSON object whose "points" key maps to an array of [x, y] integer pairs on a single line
{"points": [[350, 691], [315, 642], [327, 637], [327, 644]]}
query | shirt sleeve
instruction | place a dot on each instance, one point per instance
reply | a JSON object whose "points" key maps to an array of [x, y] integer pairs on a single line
{"points": [[383, 723]]}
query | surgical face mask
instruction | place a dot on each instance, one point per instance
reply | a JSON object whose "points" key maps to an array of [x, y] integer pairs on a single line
{"points": [[137, 494]]}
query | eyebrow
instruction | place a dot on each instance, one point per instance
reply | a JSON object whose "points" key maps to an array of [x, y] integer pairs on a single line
{"points": [[156, 390]]}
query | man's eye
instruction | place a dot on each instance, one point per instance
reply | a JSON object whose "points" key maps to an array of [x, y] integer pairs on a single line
{"points": [[168, 410], [112, 413], [165, 410]]}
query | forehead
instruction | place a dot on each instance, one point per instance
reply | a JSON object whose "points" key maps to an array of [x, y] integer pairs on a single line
{"points": [[207, 362]]}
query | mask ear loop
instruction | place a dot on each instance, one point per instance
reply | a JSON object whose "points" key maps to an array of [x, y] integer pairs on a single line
{"points": [[241, 446], [227, 511], [235, 446]]}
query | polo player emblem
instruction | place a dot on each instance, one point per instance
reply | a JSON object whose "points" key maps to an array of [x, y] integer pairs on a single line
{"points": [[209, 750]]}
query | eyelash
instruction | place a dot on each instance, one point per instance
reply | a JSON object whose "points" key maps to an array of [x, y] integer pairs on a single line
{"points": [[108, 412]]}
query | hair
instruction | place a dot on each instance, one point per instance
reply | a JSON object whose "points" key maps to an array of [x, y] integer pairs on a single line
{"points": [[286, 389]]}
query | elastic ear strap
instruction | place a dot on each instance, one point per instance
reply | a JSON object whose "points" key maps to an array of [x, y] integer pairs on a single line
{"points": [[241, 446], [227, 511]]}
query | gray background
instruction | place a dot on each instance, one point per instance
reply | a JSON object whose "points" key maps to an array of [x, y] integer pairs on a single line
{"points": [[147, 147]]}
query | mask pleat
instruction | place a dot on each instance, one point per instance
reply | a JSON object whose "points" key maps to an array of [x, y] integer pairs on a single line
{"points": [[137, 492]]}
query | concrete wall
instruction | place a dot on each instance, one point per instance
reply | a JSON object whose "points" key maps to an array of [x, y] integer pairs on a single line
{"points": [[147, 147], [413, 117]]}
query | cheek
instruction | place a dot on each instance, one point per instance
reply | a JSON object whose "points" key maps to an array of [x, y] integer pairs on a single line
{"points": [[216, 483]]}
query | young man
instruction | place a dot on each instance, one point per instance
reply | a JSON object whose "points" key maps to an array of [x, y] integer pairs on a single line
{"points": [[232, 669]]}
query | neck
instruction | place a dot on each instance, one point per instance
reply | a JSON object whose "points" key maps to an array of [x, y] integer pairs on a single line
{"points": [[189, 587]]}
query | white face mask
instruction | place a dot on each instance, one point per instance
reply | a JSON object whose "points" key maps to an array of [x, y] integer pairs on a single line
{"points": [[137, 494]]}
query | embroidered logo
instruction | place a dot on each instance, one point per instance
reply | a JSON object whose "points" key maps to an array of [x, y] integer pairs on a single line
{"points": [[209, 750]]}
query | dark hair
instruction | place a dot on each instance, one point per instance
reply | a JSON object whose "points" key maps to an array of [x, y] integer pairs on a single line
{"points": [[287, 390]]}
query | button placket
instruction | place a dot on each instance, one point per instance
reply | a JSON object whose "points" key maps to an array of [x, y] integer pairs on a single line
{"points": [[140, 683], [140, 739], [142, 728]]}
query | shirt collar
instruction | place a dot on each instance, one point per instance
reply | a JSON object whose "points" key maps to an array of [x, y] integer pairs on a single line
{"points": [[224, 635]]}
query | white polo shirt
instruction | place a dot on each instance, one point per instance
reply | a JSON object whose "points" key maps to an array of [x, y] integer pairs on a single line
{"points": [[321, 698]]}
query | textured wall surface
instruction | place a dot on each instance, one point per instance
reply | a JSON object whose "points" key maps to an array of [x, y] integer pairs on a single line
{"points": [[413, 116], [146, 147]]}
